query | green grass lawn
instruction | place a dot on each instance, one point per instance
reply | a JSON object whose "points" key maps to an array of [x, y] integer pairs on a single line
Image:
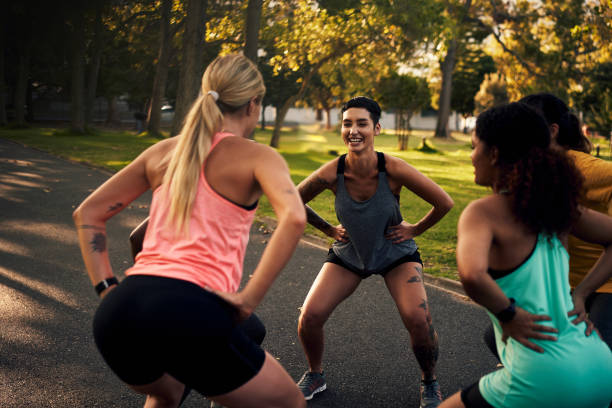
{"points": [[305, 149]]}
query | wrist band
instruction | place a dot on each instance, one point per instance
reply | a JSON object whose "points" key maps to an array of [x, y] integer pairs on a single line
{"points": [[100, 287], [508, 313]]}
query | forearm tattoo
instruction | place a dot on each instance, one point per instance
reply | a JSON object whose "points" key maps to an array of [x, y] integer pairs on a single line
{"points": [[114, 207], [419, 269], [414, 279], [98, 242], [316, 221]]}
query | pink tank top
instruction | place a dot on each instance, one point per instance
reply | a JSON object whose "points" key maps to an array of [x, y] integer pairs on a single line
{"points": [[212, 255]]}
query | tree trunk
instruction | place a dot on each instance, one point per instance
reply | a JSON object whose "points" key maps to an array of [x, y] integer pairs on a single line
{"points": [[280, 119], [21, 87], [161, 71], [111, 112], [77, 106], [447, 66], [29, 103], [3, 90], [94, 69], [328, 124], [263, 118], [252, 29], [191, 65]]}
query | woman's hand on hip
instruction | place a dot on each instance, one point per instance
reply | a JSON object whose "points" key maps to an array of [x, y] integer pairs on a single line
{"points": [[401, 232], [524, 327], [243, 308]]}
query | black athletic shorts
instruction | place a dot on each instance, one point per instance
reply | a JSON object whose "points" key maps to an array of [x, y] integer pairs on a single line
{"points": [[149, 325], [472, 398], [335, 259]]}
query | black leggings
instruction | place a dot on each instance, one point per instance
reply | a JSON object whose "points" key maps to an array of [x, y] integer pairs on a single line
{"points": [[148, 326]]}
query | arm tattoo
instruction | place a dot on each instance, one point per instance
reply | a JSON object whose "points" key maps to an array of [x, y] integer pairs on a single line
{"points": [[316, 221], [414, 279], [98, 242], [115, 207], [419, 269], [312, 187]]}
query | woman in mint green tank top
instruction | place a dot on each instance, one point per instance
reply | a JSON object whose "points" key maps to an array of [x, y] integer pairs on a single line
{"points": [[512, 260]]}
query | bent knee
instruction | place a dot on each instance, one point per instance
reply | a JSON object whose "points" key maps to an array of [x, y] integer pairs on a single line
{"points": [[312, 318], [417, 322]]}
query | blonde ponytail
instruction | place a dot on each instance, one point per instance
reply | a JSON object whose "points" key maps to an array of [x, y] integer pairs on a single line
{"points": [[228, 84]]}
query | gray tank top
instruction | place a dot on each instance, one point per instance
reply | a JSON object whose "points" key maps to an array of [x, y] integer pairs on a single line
{"points": [[366, 223]]}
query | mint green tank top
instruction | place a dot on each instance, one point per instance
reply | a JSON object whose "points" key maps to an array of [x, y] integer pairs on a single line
{"points": [[574, 371]]}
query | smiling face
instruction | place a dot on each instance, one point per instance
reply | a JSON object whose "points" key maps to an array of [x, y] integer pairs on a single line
{"points": [[358, 129], [483, 160]]}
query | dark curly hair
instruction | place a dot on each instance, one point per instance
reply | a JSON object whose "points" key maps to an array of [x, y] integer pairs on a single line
{"points": [[364, 102], [556, 111], [543, 183]]}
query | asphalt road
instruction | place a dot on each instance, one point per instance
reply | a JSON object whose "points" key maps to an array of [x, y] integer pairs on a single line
{"points": [[47, 354]]}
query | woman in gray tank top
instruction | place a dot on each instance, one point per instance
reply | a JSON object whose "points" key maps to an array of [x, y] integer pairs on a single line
{"points": [[372, 239]]}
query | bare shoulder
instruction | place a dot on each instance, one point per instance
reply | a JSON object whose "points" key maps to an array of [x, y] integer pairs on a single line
{"points": [[397, 167], [160, 150], [328, 170], [492, 210]]}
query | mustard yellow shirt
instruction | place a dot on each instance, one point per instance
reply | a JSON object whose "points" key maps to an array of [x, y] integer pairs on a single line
{"points": [[598, 196]]}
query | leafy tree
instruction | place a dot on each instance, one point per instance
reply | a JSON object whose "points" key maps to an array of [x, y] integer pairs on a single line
{"points": [[471, 69], [404, 95], [493, 92]]}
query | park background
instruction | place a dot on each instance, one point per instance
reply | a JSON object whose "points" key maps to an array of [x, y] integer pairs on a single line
{"points": [[99, 81]]}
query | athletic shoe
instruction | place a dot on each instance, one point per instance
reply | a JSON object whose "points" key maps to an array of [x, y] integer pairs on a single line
{"points": [[311, 384], [431, 396]]}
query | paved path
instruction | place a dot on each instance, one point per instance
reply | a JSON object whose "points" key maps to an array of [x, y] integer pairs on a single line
{"points": [[47, 355]]}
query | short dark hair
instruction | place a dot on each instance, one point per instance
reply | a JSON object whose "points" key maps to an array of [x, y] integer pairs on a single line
{"points": [[364, 102]]}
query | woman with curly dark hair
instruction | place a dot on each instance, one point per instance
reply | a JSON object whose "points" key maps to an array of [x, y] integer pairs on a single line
{"points": [[512, 260], [594, 298]]}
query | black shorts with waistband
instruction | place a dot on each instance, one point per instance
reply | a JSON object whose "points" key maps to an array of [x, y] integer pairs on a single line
{"points": [[335, 259]]}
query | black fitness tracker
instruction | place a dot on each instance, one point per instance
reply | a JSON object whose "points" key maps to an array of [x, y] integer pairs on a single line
{"points": [[508, 313], [100, 287]]}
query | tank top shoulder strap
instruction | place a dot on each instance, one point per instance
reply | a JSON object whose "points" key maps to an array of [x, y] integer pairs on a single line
{"points": [[381, 162], [341, 160], [219, 136]]}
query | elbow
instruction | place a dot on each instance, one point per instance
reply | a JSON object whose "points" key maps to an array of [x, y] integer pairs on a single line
{"points": [[294, 220], [77, 215], [470, 281], [447, 204]]}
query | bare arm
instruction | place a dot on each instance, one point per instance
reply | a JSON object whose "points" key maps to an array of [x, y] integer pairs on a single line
{"points": [[320, 180], [426, 189], [272, 174], [474, 238], [596, 228], [106, 201]]}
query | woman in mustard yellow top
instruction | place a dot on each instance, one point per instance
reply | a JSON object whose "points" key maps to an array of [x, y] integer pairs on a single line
{"points": [[593, 295]]}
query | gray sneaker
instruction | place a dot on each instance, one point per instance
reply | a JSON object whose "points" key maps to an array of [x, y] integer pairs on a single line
{"points": [[431, 396], [311, 384]]}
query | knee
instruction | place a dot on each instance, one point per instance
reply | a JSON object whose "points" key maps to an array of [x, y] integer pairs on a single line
{"points": [[417, 323], [310, 318]]}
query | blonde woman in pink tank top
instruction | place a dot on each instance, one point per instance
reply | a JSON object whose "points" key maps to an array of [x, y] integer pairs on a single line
{"points": [[177, 309]]}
